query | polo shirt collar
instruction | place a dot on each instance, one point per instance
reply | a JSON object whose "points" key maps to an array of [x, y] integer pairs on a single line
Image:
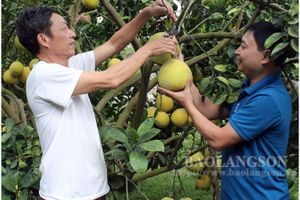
{"points": [[251, 89]]}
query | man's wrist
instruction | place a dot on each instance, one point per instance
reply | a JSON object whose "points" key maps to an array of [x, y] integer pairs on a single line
{"points": [[145, 52], [146, 12]]}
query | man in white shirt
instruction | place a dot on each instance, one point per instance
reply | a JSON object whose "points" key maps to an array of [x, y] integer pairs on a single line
{"points": [[73, 165]]}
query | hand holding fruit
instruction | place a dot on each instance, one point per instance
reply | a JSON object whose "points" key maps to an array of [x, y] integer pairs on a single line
{"points": [[183, 97], [158, 8], [161, 45]]}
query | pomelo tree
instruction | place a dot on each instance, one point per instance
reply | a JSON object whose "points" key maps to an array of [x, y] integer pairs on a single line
{"points": [[136, 147]]}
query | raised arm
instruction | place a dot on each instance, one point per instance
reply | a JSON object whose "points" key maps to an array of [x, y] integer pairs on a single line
{"points": [[127, 33], [114, 76]]}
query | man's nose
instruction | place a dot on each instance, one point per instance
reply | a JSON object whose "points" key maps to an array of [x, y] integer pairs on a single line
{"points": [[72, 34], [237, 51]]}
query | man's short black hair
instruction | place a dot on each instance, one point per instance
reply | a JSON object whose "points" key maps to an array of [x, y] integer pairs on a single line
{"points": [[30, 23], [261, 31]]}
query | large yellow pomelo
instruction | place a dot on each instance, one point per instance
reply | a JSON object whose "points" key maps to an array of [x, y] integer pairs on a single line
{"points": [[8, 78], [174, 74], [162, 119], [24, 75], [195, 163], [180, 117], [90, 4], [164, 103], [113, 61], [151, 111], [16, 68], [203, 182]]}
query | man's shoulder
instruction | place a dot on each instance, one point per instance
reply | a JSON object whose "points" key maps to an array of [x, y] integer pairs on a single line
{"points": [[82, 61]]}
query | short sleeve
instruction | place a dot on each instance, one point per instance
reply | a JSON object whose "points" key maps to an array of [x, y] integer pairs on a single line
{"points": [[254, 117], [83, 61], [57, 83]]}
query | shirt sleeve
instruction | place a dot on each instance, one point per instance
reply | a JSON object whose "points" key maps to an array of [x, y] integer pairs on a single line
{"points": [[57, 83], [83, 61], [254, 117]]}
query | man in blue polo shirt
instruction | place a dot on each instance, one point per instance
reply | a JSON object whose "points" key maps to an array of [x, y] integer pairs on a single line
{"points": [[255, 139]]}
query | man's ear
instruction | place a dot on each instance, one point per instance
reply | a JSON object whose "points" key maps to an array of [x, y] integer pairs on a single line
{"points": [[43, 39], [266, 57]]}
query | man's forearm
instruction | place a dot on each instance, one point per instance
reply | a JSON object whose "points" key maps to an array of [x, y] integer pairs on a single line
{"points": [[207, 108], [127, 33], [207, 129]]}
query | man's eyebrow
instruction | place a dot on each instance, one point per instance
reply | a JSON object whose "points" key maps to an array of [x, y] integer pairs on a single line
{"points": [[243, 42]]}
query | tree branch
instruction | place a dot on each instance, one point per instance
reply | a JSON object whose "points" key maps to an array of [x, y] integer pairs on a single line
{"points": [[273, 6], [212, 51], [220, 34], [109, 95], [131, 105], [185, 11], [119, 21], [146, 71], [74, 12]]}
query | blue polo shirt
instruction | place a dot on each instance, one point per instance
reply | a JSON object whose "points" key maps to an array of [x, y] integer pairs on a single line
{"points": [[254, 169]]}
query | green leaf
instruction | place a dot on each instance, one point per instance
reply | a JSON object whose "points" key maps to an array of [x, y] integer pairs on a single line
{"points": [[149, 134], [153, 145], [272, 39], [22, 164], [220, 98], [6, 136], [294, 9], [220, 68], [116, 134], [138, 161], [28, 180], [232, 98], [234, 11], [116, 154], [293, 21], [9, 124], [204, 83], [5, 197], [104, 133], [223, 80], [23, 194], [133, 135], [291, 177], [145, 126], [294, 44], [278, 50], [10, 181], [292, 31], [216, 15], [235, 82]]}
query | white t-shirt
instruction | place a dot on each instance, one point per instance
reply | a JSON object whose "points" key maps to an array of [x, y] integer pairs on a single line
{"points": [[72, 165]]}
